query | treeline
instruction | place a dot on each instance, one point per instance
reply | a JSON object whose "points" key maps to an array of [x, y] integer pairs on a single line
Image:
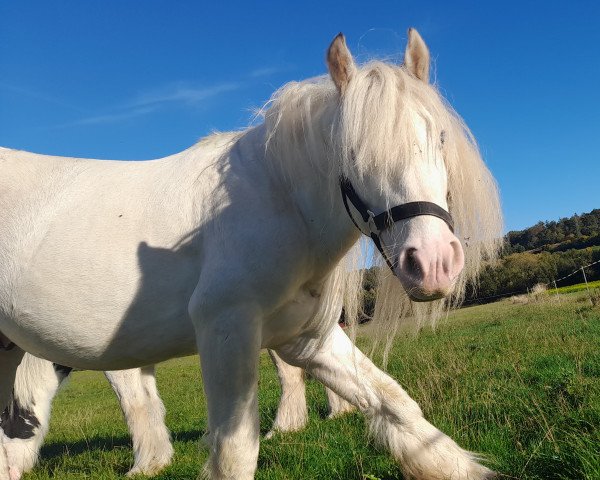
{"points": [[517, 272], [578, 231], [543, 253]]}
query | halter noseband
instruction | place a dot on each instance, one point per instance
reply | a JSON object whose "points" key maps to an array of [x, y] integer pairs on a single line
{"points": [[376, 223]]}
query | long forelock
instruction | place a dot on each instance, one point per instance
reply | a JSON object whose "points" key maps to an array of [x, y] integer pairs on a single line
{"points": [[378, 133]]}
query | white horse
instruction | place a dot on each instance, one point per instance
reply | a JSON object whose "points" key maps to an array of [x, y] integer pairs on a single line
{"points": [[235, 245], [27, 418]]}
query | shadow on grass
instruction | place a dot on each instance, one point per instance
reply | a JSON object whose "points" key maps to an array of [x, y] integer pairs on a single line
{"points": [[52, 454], [193, 435], [52, 450]]}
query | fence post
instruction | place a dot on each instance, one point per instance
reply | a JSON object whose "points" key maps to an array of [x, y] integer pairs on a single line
{"points": [[587, 286], [556, 290]]}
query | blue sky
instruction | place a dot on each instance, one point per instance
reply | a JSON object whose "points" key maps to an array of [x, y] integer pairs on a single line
{"points": [[134, 80]]}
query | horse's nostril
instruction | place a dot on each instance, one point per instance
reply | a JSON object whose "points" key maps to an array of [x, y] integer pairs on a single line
{"points": [[411, 263]]}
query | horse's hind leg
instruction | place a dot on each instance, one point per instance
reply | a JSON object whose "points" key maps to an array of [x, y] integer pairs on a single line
{"points": [[145, 416], [26, 419], [292, 413], [10, 358], [395, 420]]}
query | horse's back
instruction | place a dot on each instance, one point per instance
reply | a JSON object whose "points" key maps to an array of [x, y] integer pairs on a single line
{"points": [[29, 184], [23, 174]]}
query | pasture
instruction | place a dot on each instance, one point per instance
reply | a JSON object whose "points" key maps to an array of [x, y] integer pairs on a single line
{"points": [[576, 288], [520, 383]]}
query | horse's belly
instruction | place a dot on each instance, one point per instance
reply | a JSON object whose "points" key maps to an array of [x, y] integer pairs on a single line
{"points": [[102, 325], [107, 306], [104, 344]]}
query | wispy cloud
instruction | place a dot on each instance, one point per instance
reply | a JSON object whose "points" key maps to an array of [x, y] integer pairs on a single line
{"points": [[264, 72], [147, 102], [181, 92], [176, 93], [267, 71], [112, 117], [31, 93], [150, 101]]}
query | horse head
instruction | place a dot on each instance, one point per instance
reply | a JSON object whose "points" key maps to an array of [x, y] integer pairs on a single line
{"points": [[395, 145]]}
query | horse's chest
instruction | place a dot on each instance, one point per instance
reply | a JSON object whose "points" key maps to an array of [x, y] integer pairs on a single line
{"points": [[294, 318]]}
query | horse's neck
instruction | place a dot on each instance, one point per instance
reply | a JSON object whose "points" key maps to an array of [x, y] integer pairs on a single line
{"points": [[312, 185]]}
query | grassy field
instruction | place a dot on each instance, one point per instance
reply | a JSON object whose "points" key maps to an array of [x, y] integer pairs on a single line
{"points": [[576, 288], [518, 383]]}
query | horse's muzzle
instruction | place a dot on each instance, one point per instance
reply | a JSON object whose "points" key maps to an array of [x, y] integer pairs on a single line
{"points": [[429, 271]]}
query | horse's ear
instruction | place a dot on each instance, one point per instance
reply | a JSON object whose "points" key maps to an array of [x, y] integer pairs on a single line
{"points": [[416, 56], [340, 63]]}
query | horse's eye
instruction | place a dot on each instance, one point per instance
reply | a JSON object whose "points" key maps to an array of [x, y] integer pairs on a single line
{"points": [[448, 197], [443, 137]]}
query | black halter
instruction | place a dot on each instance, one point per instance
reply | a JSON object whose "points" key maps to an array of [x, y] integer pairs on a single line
{"points": [[374, 224]]}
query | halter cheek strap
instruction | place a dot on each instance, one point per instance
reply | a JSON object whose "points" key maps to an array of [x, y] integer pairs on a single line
{"points": [[373, 224]]}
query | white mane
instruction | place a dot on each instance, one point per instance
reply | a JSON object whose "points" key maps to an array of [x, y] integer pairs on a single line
{"points": [[377, 135]]}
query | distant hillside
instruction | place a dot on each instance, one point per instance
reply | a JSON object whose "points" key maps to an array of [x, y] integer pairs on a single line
{"points": [[578, 231], [542, 253]]}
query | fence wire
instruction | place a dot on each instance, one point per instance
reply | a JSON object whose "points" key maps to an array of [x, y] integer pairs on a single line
{"points": [[520, 292]]}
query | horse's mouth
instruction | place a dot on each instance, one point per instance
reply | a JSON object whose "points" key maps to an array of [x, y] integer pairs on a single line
{"points": [[427, 297], [421, 294]]}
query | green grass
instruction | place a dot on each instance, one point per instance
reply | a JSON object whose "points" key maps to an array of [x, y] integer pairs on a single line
{"points": [[575, 288], [518, 383]]}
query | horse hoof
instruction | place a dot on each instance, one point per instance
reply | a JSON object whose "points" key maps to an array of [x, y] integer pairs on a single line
{"points": [[149, 471]]}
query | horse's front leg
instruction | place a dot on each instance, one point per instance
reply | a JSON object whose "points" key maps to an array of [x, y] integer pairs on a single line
{"points": [[337, 405], [144, 413], [395, 420], [10, 358], [292, 412], [229, 347]]}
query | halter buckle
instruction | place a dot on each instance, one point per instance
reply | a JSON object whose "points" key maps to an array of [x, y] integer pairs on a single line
{"points": [[371, 223]]}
